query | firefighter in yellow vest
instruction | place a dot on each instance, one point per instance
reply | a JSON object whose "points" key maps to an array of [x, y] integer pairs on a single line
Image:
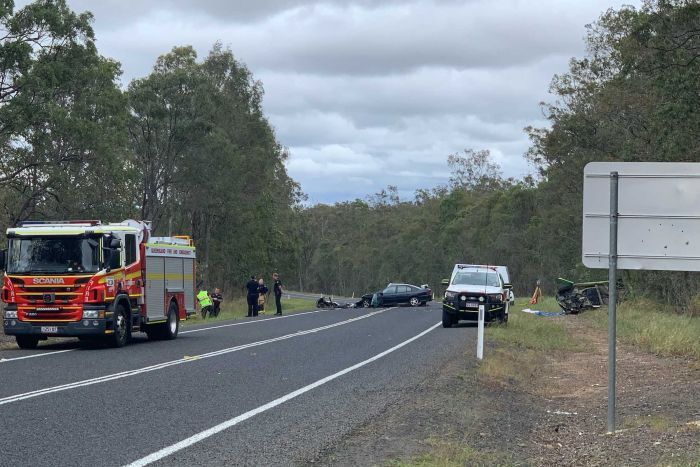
{"points": [[205, 303]]}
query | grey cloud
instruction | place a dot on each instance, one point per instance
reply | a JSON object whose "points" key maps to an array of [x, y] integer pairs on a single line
{"points": [[354, 37], [125, 11], [495, 97], [368, 93]]}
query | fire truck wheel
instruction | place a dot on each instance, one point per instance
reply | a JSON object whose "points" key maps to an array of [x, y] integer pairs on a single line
{"points": [[122, 333], [167, 330], [172, 326], [27, 342]]}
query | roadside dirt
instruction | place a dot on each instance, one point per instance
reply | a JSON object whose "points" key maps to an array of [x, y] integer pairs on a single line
{"points": [[555, 416], [6, 342]]}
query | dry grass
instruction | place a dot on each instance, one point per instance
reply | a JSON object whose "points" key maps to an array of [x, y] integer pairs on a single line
{"points": [[657, 422], [654, 328], [445, 453], [504, 368]]}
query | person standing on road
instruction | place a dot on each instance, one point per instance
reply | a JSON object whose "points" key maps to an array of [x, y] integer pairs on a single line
{"points": [[277, 290], [252, 287], [205, 304], [216, 298]]}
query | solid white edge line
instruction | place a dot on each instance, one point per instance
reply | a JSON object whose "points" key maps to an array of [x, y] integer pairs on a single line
{"points": [[160, 366], [54, 352], [167, 451]]}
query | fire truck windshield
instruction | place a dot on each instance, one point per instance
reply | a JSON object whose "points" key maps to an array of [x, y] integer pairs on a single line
{"points": [[52, 255]]}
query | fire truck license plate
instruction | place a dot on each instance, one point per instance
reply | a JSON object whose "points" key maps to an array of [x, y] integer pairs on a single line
{"points": [[49, 329], [472, 305]]}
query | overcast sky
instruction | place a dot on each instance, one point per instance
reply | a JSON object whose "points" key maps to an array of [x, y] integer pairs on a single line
{"points": [[365, 93]]}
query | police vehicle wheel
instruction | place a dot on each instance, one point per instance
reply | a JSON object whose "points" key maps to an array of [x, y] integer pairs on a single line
{"points": [[172, 326], [414, 301], [120, 336], [447, 320], [502, 317], [27, 342]]}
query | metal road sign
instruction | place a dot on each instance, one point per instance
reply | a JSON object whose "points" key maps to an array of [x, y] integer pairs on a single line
{"points": [[642, 215], [659, 215]]}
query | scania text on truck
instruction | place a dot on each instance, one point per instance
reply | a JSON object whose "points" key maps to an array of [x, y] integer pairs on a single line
{"points": [[95, 281]]}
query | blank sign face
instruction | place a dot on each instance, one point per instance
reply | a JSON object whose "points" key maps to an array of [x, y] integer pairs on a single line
{"points": [[659, 215]]}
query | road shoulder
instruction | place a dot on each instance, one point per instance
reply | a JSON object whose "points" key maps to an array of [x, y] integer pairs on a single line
{"points": [[549, 408]]}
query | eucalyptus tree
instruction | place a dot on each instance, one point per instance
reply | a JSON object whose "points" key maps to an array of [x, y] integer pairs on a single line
{"points": [[61, 116]]}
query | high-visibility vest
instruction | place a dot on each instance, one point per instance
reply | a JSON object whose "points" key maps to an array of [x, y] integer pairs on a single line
{"points": [[204, 300]]}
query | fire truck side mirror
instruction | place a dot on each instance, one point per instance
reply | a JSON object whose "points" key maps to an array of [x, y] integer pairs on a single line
{"points": [[3, 257], [111, 246]]}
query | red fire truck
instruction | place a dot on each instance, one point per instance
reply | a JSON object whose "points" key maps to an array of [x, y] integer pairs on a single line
{"points": [[95, 280]]}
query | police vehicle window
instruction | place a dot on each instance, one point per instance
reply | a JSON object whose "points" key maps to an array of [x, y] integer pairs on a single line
{"points": [[130, 248], [488, 279]]}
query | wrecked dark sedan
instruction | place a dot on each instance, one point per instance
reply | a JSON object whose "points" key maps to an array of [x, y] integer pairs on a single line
{"points": [[398, 294]]}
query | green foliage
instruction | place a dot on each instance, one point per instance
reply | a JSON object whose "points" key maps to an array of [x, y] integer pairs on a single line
{"points": [[189, 148], [186, 147], [209, 164], [632, 98], [61, 116]]}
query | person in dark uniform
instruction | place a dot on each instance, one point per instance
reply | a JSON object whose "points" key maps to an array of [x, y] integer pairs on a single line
{"points": [[252, 287], [277, 290], [216, 298]]}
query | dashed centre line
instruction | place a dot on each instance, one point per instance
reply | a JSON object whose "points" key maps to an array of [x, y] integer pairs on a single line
{"points": [[180, 361]]}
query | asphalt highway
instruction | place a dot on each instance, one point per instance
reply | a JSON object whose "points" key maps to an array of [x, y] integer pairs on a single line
{"points": [[268, 391]]}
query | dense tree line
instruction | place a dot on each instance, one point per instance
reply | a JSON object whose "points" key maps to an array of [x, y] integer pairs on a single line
{"points": [[189, 148], [633, 97]]}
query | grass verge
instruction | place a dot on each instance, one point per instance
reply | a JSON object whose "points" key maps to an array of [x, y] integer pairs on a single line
{"points": [[525, 340], [526, 343], [654, 328], [541, 333], [444, 453], [238, 309]]}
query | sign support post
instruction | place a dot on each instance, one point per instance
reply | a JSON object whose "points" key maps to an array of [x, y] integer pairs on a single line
{"points": [[612, 300], [650, 222], [480, 335]]}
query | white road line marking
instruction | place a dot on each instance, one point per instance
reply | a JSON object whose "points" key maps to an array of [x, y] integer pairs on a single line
{"points": [[160, 366], [291, 315], [3, 360], [54, 352], [165, 452]]}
